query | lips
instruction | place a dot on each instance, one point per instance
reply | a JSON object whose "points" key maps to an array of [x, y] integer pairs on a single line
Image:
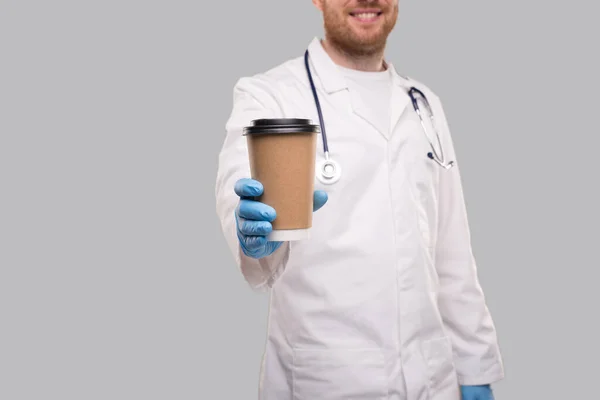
{"points": [[367, 15]]}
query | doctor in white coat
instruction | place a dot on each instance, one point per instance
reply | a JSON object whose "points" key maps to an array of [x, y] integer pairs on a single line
{"points": [[383, 300]]}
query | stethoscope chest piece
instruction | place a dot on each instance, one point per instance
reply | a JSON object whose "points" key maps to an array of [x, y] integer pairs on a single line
{"points": [[328, 172]]}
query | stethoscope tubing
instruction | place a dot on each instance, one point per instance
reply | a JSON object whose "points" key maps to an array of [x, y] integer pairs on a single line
{"points": [[318, 104]]}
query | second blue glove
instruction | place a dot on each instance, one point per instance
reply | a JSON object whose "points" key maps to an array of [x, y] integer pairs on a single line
{"points": [[478, 392], [253, 218]]}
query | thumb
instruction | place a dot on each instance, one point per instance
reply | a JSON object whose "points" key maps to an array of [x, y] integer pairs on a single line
{"points": [[319, 199]]}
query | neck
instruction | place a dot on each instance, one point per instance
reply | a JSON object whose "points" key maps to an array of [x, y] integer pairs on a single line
{"points": [[370, 62]]}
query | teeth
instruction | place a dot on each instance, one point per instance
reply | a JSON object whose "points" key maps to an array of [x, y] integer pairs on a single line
{"points": [[366, 15]]}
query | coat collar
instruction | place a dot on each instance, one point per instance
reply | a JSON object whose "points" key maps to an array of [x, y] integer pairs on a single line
{"points": [[329, 75], [332, 80]]}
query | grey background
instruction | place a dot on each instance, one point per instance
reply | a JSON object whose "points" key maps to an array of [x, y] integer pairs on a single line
{"points": [[115, 281]]}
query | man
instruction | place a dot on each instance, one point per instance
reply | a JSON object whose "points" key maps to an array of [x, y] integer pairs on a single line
{"points": [[383, 301]]}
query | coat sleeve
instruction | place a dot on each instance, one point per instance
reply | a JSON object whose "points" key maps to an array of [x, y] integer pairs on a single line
{"points": [[461, 299], [251, 100]]}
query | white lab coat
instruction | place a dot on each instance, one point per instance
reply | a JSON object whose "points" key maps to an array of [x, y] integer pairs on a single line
{"points": [[383, 301]]}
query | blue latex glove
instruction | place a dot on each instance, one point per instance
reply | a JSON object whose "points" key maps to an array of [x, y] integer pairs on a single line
{"points": [[478, 392], [253, 218]]}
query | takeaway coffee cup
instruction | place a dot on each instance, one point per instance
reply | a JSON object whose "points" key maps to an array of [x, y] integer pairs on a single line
{"points": [[282, 155]]}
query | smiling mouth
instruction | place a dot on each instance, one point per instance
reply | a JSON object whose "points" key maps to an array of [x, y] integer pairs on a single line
{"points": [[366, 16]]}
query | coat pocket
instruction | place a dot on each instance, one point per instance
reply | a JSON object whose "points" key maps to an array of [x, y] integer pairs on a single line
{"points": [[339, 374], [442, 379]]}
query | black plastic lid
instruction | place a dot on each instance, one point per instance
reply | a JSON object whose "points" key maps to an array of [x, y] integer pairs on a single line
{"points": [[280, 125]]}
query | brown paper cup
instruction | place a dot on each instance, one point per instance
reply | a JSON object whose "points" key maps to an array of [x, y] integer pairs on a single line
{"points": [[282, 156]]}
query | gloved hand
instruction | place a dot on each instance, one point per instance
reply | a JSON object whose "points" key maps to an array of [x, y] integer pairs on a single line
{"points": [[478, 392], [253, 218]]}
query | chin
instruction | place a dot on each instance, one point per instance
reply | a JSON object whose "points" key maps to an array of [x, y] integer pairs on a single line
{"points": [[369, 40]]}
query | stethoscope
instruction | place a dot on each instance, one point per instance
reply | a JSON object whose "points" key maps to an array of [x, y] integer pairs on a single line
{"points": [[329, 171]]}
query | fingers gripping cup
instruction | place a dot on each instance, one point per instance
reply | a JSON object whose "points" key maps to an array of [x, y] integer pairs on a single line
{"points": [[282, 156]]}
